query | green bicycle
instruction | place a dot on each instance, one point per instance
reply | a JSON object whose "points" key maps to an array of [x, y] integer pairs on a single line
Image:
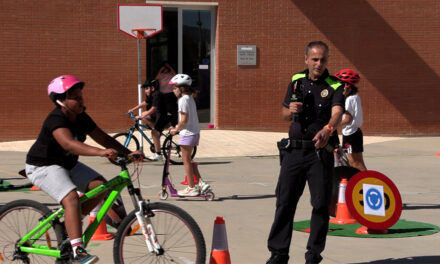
{"points": [[153, 232]]}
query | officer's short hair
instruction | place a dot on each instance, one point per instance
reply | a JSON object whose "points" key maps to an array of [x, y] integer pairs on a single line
{"points": [[314, 44]]}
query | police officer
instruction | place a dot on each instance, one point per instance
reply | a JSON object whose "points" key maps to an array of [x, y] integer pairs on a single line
{"points": [[314, 104]]}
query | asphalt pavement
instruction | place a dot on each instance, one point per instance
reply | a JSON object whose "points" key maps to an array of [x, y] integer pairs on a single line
{"points": [[242, 168]]}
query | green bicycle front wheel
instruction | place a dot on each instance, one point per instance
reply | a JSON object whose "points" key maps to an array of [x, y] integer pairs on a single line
{"points": [[19, 217], [177, 232]]}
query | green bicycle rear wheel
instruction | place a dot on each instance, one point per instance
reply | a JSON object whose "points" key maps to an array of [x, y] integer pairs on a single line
{"points": [[19, 217]]}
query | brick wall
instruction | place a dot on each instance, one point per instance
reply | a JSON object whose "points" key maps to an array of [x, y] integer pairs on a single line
{"points": [[44, 39], [392, 44]]}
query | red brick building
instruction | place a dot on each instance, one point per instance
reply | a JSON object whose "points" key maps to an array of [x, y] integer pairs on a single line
{"points": [[392, 44]]}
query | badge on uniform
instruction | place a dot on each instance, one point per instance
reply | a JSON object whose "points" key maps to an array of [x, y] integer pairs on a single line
{"points": [[324, 93]]}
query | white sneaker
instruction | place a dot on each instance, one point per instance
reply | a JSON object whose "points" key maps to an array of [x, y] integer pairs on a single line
{"points": [[188, 191], [204, 186], [156, 157]]}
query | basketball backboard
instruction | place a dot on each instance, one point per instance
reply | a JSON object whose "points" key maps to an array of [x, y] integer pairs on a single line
{"points": [[132, 18]]}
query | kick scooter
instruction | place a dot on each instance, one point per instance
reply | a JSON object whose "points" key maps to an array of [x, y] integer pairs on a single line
{"points": [[166, 179]]}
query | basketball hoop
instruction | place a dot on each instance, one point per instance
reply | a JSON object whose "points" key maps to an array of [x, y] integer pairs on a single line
{"points": [[143, 33], [140, 21]]}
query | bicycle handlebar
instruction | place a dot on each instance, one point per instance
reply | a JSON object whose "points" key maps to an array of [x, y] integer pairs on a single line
{"points": [[132, 116], [136, 120], [123, 159]]}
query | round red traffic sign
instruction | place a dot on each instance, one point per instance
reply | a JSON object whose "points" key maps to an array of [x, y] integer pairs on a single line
{"points": [[373, 200]]}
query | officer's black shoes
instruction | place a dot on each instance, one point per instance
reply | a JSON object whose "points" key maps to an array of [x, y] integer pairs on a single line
{"points": [[312, 258], [278, 259]]}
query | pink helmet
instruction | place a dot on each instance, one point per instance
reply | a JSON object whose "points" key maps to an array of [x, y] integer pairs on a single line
{"points": [[62, 84]]}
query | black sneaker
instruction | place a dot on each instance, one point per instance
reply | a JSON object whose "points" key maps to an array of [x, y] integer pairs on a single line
{"points": [[278, 259], [82, 257]]}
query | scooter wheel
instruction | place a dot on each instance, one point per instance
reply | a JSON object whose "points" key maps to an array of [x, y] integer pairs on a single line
{"points": [[209, 196], [163, 195]]}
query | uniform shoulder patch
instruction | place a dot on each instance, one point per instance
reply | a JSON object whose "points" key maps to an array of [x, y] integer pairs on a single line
{"points": [[298, 75], [333, 82]]}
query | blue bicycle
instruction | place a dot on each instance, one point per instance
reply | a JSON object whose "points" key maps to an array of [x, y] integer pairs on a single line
{"points": [[132, 143]]}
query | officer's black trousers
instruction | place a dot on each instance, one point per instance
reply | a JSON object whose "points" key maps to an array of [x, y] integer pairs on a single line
{"points": [[299, 166]]}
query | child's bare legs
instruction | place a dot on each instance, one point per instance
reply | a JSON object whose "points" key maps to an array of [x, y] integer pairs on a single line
{"points": [[196, 170], [92, 203], [187, 163], [154, 133], [356, 160], [156, 139], [72, 215], [203, 186], [73, 209]]}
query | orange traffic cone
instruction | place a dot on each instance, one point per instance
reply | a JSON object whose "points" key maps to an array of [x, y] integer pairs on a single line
{"points": [[363, 230], [219, 250], [101, 232], [343, 216], [34, 188]]}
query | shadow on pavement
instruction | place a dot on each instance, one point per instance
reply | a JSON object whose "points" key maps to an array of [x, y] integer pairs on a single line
{"points": [[46, 204], [420, 206], [232, 197], [408, 260], [246, 197], [12, 178], [213, 162]]}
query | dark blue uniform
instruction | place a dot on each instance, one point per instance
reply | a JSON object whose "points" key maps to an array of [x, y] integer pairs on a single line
{"points": [[302, 162]]}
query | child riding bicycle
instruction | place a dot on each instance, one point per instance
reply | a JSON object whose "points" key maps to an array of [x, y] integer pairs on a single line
{"points": [[52, 162], [155, 115], [189, 132]]}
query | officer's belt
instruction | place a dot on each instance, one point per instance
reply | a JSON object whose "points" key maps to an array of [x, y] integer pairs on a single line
{"points": [[302, 144]]}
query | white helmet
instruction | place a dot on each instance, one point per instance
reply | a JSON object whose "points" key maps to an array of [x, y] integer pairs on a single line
{"points": [[181, 79]]}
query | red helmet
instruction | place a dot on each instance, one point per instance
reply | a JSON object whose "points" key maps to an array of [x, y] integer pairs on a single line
{"points": [[349, 76]]}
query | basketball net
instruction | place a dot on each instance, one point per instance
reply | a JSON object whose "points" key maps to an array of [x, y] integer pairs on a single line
{"points": [[143, 33]]}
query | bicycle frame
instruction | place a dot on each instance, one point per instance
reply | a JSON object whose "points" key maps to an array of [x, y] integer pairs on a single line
{"points": [[138, 127], [115, 185]]}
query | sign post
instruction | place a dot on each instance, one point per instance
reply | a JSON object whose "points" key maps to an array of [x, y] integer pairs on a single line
{"points": [[140, 22]]}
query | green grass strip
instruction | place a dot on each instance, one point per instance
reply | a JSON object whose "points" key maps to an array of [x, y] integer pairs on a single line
{"points": [[402, 228]]}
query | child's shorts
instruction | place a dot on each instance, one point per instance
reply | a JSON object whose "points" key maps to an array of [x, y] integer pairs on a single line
{"points": [[57, 181], [192, 140]]}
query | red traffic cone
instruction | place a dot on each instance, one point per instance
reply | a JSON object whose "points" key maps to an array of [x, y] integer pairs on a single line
{"points": [[196, 181], [101, 232], [343, 216], [34, 188], [185, 182], [219, 250]]}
